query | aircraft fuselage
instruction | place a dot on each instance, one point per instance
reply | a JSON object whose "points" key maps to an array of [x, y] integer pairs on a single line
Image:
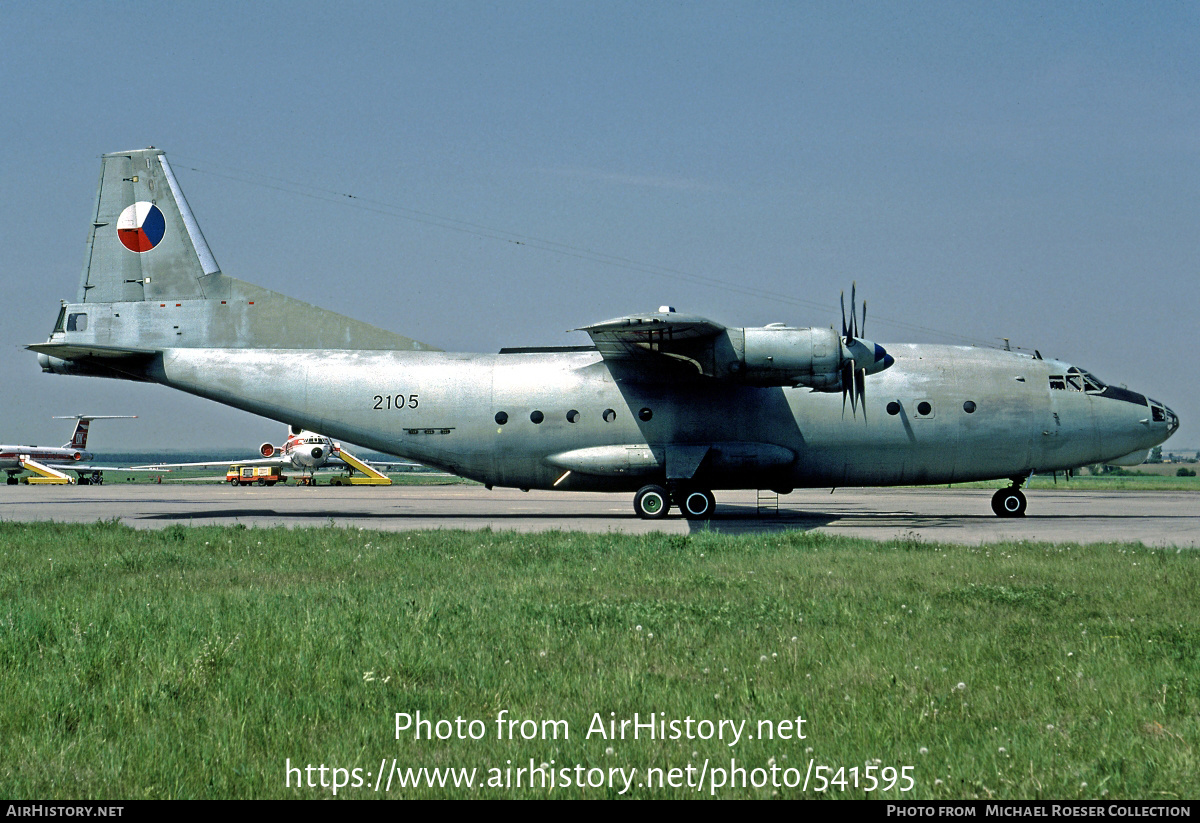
{"points": [[574, 412]]}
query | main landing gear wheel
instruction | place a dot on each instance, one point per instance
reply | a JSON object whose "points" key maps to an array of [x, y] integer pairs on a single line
{"points": [[696, 504], [651, 502], [1009, 502]]}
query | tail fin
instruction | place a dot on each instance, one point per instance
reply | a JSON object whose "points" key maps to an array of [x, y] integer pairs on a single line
{"points": [[150, 283], [83, 422], [144, 243], [79, 437]]}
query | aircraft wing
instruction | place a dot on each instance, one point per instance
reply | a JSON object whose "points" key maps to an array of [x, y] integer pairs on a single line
{"points": [[90, 467], [258, 461], [644, 338]]}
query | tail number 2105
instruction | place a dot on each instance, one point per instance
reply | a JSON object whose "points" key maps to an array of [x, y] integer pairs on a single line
{"points": [[387, 402]]}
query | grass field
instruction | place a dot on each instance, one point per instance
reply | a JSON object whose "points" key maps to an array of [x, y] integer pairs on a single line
{"points": [[201, 662]]}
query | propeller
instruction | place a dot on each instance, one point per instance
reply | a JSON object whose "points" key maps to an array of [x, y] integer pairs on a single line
{"points": [[860, 357], [849, 333]]}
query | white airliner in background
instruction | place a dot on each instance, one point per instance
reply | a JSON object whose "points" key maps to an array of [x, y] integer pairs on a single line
{"points": [[48, 464], [303, 451]]}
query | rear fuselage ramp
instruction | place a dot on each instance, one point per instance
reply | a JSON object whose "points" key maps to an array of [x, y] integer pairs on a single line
{"points": [[372, 476]]}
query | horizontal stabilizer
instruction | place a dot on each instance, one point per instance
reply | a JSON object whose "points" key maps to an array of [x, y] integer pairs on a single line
{"points": [[85, 360], [70, 351]]}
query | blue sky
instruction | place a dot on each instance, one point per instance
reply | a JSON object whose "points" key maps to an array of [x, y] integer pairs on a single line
{"points": [[1028, 171]]}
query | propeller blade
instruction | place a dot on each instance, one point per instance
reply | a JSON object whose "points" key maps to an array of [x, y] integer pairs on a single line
{"points": [[853, 315], [845, 329], [847, 384], [863, 329], [860, 389]]}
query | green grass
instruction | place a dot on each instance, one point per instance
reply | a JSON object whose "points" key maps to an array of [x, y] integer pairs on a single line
{"points": [[194, 662]]}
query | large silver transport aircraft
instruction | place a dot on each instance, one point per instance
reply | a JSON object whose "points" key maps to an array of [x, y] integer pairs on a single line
{"points": [[665, 405]]}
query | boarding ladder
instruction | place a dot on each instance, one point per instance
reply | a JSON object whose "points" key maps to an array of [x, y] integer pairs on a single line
{"points": [[768, 502], [373, 477], [43, 473]]}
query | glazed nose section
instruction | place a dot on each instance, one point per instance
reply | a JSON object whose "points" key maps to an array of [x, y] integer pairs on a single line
{"points": [[1159, 413]]}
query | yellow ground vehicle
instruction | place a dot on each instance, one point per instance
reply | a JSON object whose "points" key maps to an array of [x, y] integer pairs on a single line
{"points": [[262, 475]]}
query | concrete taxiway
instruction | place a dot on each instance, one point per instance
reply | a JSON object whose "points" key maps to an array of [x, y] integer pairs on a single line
{"points": [[945, 515]]}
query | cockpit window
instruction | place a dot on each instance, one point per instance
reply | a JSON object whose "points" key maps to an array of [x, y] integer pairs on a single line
{"points": [[1077, 380]]}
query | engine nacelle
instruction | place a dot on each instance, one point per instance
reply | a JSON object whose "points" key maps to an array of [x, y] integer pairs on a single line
{"points": [[783, 356], [268, 450]]}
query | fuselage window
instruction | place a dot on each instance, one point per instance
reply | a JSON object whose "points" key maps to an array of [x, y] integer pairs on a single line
{"points": [[645, 414], [536, 416], [501, 417], [77, 322], [893, 407], [969, 407], [924, 408], [609, 415], [573, 416]]}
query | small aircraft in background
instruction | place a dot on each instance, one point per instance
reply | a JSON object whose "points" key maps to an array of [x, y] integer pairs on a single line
{"points": [[48, 464], [303, 451]]}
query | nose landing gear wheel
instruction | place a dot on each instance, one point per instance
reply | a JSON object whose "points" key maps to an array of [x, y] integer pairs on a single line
{"points": [[651, 502], [697, 504], [1009, 503]]}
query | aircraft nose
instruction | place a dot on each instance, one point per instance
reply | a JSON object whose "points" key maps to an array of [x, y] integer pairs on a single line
{"points": [[1172, 420]]}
